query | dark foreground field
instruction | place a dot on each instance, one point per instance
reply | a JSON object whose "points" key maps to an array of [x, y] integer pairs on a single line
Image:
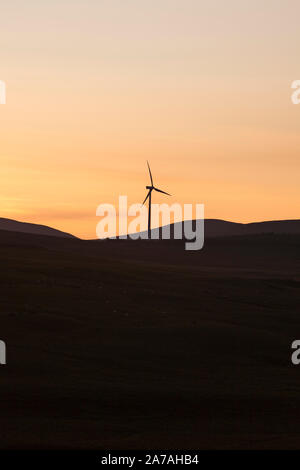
{"points": [[124, 344]]}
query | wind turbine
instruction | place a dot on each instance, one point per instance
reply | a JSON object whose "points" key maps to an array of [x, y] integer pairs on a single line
{"points": [[150, 189]]}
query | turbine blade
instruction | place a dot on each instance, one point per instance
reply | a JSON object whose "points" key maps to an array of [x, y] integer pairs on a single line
{"points": [[160, 191], [146, 198], [150, 173]]}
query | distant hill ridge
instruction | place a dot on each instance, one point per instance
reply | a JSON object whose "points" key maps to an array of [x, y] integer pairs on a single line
{"points": [[222, 228], [212, 228], [24, 227], [216, 227]]}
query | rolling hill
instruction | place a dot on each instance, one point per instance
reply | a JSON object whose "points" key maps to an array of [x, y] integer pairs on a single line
{"points": [[212, 227], [224, 228], [24, 227]]}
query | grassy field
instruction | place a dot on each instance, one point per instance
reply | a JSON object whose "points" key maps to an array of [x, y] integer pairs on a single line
{"points": [[123, 344]]}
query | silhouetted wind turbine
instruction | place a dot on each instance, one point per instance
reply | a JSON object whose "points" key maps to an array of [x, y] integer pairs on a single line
{"points": [[150, 188]]}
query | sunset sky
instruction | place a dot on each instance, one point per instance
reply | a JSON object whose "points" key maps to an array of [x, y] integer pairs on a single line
{"points": [[200, 89]]}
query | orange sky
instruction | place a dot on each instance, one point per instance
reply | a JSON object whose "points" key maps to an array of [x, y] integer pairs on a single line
{"points": [[200, 89]]}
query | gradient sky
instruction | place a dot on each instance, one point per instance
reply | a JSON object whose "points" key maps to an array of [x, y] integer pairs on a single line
{"points": [[97, 87]]}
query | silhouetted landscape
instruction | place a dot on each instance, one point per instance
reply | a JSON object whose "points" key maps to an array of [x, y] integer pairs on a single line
{"points": [[141, 344]]}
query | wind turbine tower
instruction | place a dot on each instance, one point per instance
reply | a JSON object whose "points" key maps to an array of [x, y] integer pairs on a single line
{"points": [[150, 189]]}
